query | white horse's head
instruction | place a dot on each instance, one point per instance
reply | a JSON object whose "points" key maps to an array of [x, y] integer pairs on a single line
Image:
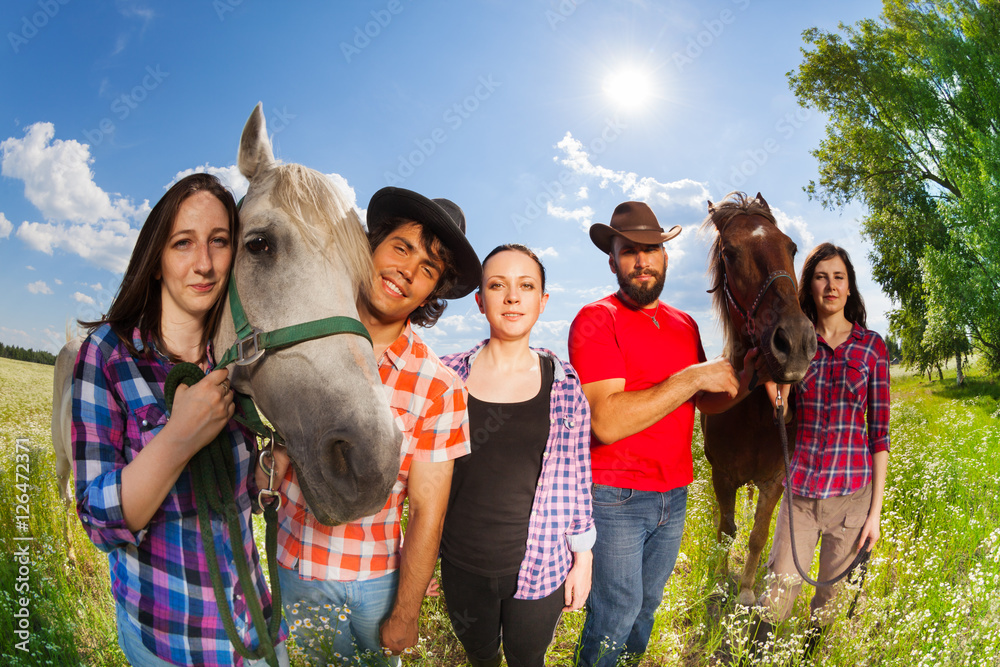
{"points": [[302, 256]]}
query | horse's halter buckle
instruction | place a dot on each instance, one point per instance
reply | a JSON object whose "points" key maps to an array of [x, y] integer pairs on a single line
{"points": [[247, 356]]}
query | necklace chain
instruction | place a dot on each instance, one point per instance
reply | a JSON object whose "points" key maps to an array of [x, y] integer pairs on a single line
{"points": [[656, 310]]}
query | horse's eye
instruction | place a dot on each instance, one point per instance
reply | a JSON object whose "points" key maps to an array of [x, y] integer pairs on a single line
{"points": [[258, 244]]}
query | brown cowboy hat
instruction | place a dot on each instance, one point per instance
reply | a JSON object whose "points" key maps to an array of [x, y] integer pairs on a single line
{"points": [[635, 221], [441, 216]]}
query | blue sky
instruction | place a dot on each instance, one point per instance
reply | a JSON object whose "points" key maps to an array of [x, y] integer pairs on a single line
{"points": [[503, 107]]}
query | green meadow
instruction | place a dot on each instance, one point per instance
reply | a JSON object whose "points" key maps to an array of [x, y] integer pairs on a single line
{"points": [[932, 595]]}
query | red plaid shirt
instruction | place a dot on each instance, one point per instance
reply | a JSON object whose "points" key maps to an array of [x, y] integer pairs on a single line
{"points": [[428, 402], [843, 414]]}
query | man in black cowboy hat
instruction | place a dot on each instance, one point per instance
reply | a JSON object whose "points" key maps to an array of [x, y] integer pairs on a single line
{"points": [[355, 582], [643, 371]]}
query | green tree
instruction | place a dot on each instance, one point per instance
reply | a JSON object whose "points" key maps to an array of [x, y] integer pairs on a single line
{"points": [[913, 101]]}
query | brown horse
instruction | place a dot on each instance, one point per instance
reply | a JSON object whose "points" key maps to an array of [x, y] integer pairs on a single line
{"points": [[754, 293]]}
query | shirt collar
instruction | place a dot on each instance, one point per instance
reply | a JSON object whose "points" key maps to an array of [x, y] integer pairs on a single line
{"points": [[395, 354], [140, 345]]}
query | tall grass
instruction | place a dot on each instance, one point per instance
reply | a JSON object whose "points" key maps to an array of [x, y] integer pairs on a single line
{"points": [[932, 596]]}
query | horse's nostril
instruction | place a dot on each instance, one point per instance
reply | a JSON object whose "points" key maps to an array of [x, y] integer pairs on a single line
{"points": [[338, 456], [780, 344]]}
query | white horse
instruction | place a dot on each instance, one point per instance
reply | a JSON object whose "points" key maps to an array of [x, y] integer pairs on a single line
{"points": [[302, 255]]}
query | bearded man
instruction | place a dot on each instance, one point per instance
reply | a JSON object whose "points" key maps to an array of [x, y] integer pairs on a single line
{"points": [[644, 372]]}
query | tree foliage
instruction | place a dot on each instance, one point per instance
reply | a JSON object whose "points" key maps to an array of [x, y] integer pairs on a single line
{"points": [[21, 354], [913, 101]]}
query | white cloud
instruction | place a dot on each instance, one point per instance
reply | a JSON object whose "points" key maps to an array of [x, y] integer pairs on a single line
{"points": [[546, 252], [238, 184], [81, 218], [5, 226], [795, 227], [57, 281], [83, 298], [230, 177], [459, 324], [97, 287], [582, 193], [29, 268], [583, 215], [554, 288], [594, 293], [39, 287], [106, 246], [58, 180], [685, 192], [341, 184]]}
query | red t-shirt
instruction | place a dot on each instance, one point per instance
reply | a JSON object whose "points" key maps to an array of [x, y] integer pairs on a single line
{"points": [[609, 340]]}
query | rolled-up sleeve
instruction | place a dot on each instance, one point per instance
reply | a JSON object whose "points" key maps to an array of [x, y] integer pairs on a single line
{"points": [[878, 400], [98, 431]]}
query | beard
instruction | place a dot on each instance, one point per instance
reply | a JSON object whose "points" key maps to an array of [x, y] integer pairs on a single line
{"points": [[642, 295]]}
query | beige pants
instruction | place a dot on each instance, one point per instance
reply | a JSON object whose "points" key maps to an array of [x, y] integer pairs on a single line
{"points": [[838, 521]]}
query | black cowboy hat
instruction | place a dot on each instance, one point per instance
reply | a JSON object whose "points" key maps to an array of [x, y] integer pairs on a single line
{"points": [[635, 221], [441, 216]]}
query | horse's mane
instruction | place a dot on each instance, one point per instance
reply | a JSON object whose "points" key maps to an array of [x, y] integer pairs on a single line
{"points": [[307, 196], [719, 215]]}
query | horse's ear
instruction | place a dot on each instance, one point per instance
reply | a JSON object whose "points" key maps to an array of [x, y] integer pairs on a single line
{"points": [[762, 202], [255, 148], [711, 207]]}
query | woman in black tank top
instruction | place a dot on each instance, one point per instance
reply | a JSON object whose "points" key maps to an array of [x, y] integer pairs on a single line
{"points": [[515, 552]]}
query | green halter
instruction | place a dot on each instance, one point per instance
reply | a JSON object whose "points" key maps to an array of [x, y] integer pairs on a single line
{"points": [[251, 342]]}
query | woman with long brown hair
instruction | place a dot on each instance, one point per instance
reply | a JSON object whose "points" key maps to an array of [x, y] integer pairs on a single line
{"points": [[837, 475], [134, 491]]}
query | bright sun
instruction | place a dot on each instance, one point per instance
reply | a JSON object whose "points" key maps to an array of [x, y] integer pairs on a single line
{"points": [[629, 88]]}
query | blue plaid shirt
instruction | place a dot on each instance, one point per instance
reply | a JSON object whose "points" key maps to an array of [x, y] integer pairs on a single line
{"points": [[561, 519], [160, 573]]}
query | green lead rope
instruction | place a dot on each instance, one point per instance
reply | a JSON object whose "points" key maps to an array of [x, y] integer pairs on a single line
{"points": [[213, 473]]}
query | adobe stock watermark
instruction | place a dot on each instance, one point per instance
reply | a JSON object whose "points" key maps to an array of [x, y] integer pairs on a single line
{"points": [[712, 29], [123, 105], [22, 544], [755, 159], [562, 12], [223, 7], [552, 190], [363, 35], [454, 117], [30, 25]]}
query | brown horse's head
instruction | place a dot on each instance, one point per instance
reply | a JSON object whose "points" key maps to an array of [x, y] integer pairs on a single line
{"points": [[754, 287]]}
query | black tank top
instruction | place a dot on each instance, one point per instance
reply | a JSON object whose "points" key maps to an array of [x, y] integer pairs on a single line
{"points": [[493, 489]]}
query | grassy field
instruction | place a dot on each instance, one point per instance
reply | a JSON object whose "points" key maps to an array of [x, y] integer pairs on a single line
{"points": [[932, 596]]}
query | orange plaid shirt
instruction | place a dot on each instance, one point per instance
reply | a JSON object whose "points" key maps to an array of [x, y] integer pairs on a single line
{"points": [[428, 402]]}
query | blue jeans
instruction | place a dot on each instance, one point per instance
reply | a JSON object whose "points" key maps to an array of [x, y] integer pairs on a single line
{"points": [[338, 621], [130, 641], [638, 538]]}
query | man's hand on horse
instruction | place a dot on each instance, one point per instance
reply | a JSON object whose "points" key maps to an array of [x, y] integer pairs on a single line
{"points": [[717, 376]]}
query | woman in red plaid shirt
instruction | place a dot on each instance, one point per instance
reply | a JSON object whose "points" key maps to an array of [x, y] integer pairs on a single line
{"points": [[837, 473]]}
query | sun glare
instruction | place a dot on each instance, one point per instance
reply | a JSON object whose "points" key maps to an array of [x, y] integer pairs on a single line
{"points": [[628, 88]]}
